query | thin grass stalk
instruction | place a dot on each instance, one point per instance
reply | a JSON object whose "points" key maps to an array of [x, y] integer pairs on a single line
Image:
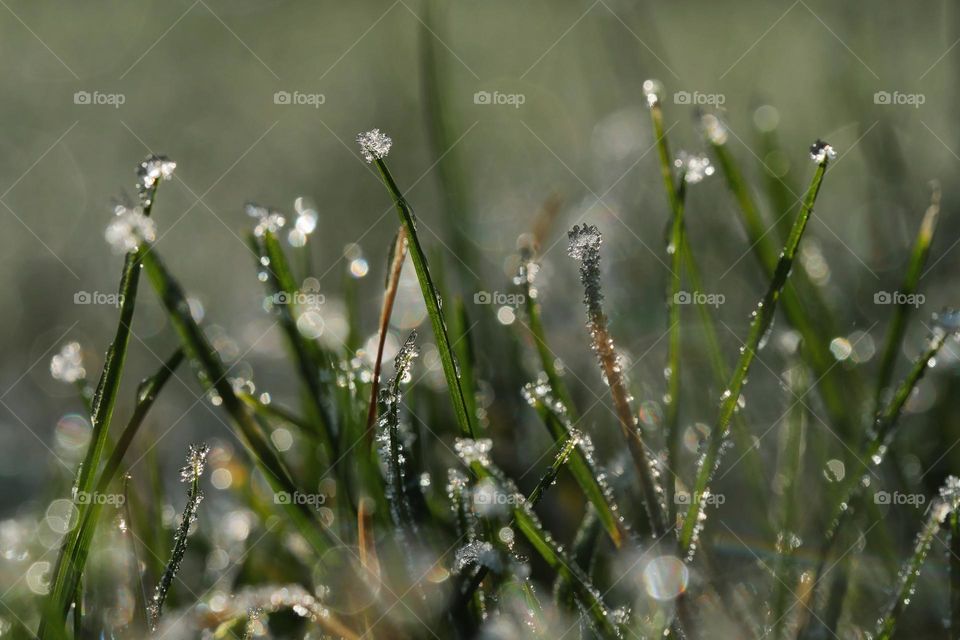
{"points": [[270, 411], [212, 375], [431, 298], [582, 553], [191, 473], [102, 403], [942, 508], [762, 318], [908, 289], [584, 247], [466, 355], [672, 371], [398, 253], [953, 559]]}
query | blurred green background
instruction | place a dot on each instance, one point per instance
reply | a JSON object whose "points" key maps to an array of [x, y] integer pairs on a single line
{"points": [[199, 81]]}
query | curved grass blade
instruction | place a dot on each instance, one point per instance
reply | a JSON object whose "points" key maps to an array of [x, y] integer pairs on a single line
{"points": [[584, 247], [474, 453], [149, 174], [911, 280], [191, 473], [431, 296], [942, 508], [761, 322]]}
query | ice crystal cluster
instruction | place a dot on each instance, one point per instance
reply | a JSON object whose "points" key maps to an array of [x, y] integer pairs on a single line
{"points": [[652, 90], [584, 246], [374, 145], [67, 366], [129, 228], [694, 167], [153, 169], [821, 151], [268, 221]]}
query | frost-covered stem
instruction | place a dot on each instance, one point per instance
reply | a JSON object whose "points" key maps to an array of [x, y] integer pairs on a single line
{"points": [[942, 508], [397, 256], [196, 460], [762, 318], [431, 298], [672, 371], [953, 558], [582, 553], [568, 446], [103, 403], [911, 280], [584, 246]]}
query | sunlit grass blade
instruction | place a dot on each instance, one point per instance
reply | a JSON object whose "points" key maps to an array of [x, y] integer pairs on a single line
{"points": [[762, 318], [375, 146], [191, 474], [475, 454], [911, 280], [584, 247], [212, 375], [942, 508], [149, 174], [834, 389]]}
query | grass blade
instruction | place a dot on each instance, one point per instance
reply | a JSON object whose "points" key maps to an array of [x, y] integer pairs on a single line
{"points": [[762, 319], [675, 249], [584, 247], [942, 508], [375, 147], [911, 281]]}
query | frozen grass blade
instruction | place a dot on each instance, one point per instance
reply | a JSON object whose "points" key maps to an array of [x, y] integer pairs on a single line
{"points": [[911, 281], [375, 147], [582, 553], [191, 473], [475, 454], [149, 174], [675, 249], [942, 508], [761, 321], [584, 247], [397, 255]]}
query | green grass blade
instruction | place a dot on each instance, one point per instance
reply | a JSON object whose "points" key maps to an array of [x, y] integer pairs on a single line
{"points": [[582, 552], [466, 355], [911, 281], [954, 560], [671, 418], [762, 319], [431, 298], [942, 508]]}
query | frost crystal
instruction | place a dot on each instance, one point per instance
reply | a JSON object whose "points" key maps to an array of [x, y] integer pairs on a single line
{"points": [[129, 228], [585, 241], [267, 219], [67, 366], [694, 167], [652, 90], [714, 129], [305, 223], [374, 145], [196, 461], [950, 492], [471, 451], [947, 320], [821, 151], [150, 171]]}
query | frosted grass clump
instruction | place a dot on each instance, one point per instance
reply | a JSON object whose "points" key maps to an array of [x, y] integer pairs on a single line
{"points": [[471, 450], [584, 246], [150, 171], [821, 151], [67, 366], [196, 462], [268, 221], [374, 145], [477, 552], [694, 167], [129, 228]]}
